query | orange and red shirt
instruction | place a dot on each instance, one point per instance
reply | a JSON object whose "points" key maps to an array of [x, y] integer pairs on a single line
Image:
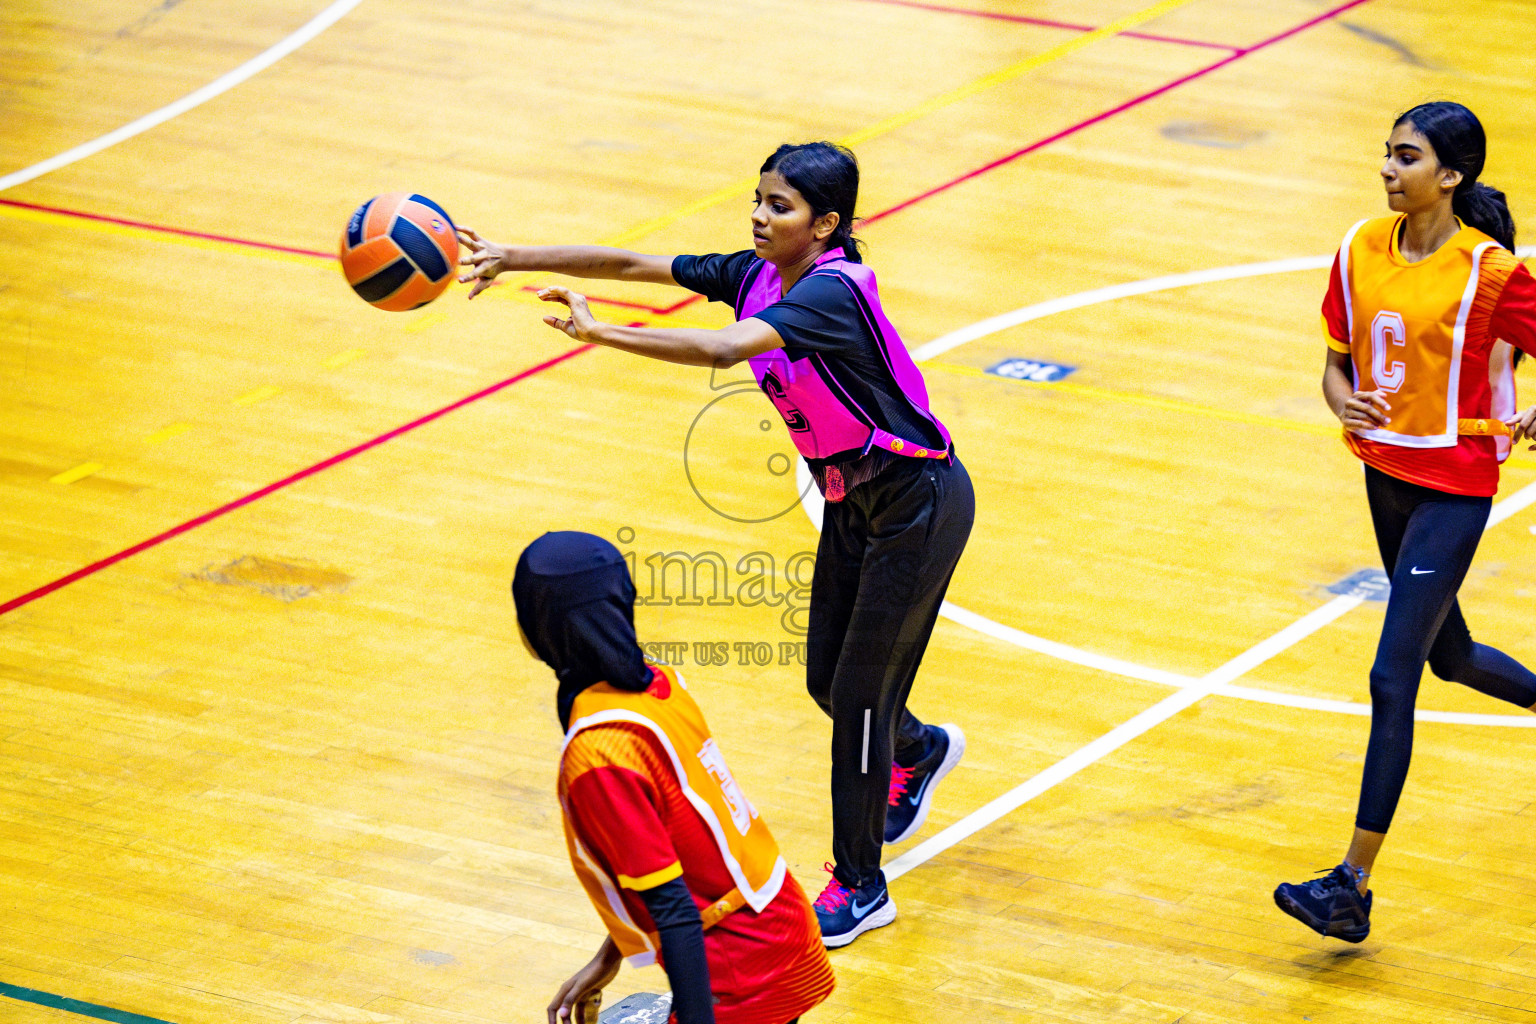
{"points": [[638, 821], [1436, 336]]}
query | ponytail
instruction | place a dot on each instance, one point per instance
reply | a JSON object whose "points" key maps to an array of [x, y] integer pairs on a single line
{"points": [[1485, 208], [843, 236], [827, 176]]}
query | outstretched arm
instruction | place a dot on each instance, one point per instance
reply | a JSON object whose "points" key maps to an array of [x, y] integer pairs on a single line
{"points": [[689, 346], [489, 259]]}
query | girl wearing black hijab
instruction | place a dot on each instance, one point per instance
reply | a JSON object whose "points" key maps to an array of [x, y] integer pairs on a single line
{"points": [[676, 860]]}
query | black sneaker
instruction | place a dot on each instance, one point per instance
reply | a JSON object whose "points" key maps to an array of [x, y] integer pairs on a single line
{"points": [[844, 914], [1331, 905], [912, 788]]}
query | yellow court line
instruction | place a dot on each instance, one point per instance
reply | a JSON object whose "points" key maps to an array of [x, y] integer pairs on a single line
{"points": [[166, 433], [80, 472], [341, 359], [740, 188], [1011, 72]]}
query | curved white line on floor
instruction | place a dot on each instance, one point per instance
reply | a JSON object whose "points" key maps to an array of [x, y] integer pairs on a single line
{"points": [[811, 502], [322, 21]]}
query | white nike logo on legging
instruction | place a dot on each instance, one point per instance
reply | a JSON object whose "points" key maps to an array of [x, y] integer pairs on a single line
{"points": [[1416, 571]]}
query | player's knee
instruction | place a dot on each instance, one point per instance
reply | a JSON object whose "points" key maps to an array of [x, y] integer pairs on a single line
{"points": [[1446, 665], [1389, 689], [819, 686]]}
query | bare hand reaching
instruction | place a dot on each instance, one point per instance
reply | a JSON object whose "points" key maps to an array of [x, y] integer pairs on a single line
{"points": [[581, 323], [488, 259]]}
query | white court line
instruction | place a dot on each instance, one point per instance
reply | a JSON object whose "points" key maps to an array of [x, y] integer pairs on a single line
{"points": [[1117, 737], [1003, 321], [322, 21], [1189, 694], [812, 503]]}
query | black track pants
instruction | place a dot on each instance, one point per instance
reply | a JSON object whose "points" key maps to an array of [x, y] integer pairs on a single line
{"points": [[1427, 539], [886, 556]]}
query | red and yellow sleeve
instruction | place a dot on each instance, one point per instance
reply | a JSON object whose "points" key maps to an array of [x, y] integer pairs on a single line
{"points": [[1514, 316], [1336, 312], [612, 802]]}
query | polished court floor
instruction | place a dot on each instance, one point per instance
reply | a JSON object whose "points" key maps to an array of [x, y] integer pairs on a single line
{"points": [[269, 749]]}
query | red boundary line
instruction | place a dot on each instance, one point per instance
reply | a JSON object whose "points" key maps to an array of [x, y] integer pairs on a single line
{"points": [[324, 464], [656, 310], [1023, 19], [250, 244], [1120, 109], [183, 232], [192, 524]]}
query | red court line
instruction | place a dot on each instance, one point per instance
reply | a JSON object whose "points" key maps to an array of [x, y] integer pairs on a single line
{"points": [[250, 244], [1022, 19], [191, 524], [1112, 111], [324, 464], [656, 310], [162, 229]]}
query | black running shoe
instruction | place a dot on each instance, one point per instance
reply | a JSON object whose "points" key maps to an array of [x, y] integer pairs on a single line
{"points": [[1331, 905], [844, 914], [912, 788]]}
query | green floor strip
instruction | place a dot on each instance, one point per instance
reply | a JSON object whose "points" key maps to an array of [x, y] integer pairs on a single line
{"points": [[28, 995]]}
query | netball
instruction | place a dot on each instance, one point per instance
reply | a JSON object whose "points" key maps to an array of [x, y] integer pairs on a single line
{"points": [[398, 251]]}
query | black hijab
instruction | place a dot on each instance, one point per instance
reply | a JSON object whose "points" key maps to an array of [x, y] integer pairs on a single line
{"points": [[576, 604]]}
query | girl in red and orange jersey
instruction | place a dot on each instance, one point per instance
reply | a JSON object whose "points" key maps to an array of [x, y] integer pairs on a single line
{"points": [[1424, 315], [677, 862]]}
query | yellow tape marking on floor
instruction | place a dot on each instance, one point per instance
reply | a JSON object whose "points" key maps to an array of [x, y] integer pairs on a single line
{"points": [[1011, 72], [341, 359], [80, 472], [261, 394], [166, 433], [432, 319]]}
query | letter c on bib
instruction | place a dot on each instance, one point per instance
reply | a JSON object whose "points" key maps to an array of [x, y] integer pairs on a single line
{"points": [[1388, 330]]}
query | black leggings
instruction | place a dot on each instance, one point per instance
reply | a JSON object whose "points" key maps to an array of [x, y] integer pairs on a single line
{"points": [[1427, 539], [886, 555]]}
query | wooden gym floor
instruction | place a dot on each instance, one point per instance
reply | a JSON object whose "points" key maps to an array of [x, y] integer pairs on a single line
{"points": [[269, 751]]}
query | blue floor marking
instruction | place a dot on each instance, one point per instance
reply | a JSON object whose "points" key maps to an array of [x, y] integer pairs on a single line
{"points": [[28, 995]]}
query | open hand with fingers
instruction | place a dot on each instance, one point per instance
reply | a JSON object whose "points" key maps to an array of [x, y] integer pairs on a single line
{"points": [[487, 258], [581, 324], [1522, 426]]}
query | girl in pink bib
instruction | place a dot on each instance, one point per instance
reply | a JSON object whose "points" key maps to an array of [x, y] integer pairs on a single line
{"points": [[899, 505]]}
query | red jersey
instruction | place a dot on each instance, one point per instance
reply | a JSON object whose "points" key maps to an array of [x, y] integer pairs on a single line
{"points": [[1435, 336], [631, 815]]}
